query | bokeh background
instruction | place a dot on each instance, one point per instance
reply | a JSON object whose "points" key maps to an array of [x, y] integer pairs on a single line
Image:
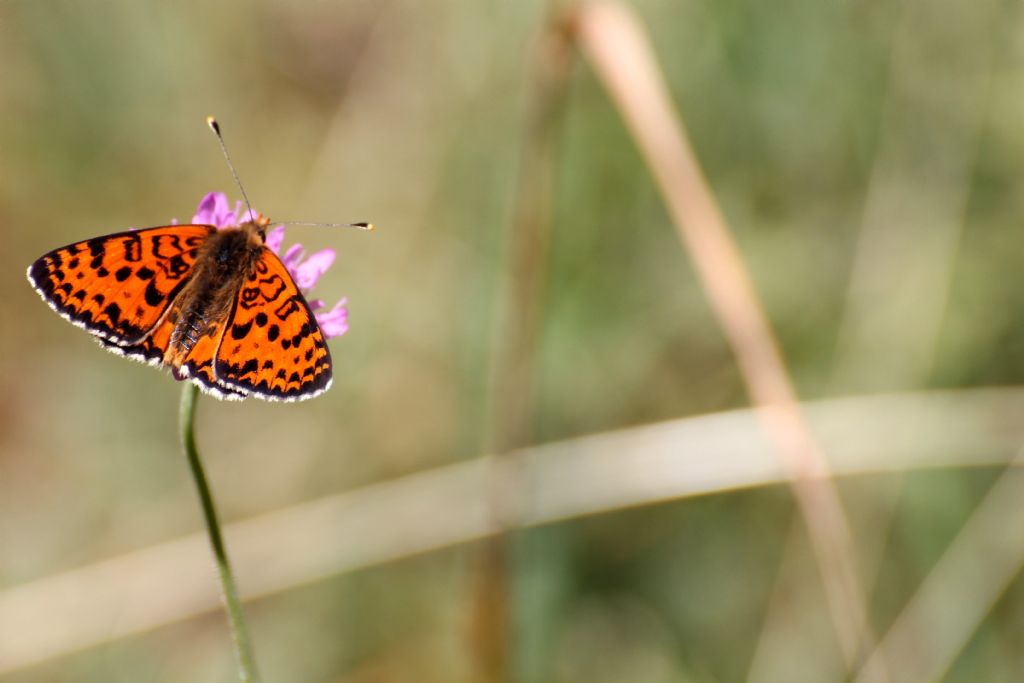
{"points": [[867, 155]]}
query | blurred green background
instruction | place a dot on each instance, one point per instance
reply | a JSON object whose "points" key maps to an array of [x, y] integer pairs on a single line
{"points": [[867, 155]]}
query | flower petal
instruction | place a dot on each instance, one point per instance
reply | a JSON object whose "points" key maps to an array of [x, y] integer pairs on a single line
{"points": [[309, 271], [247, 216], [334, 322], [292, 257], [206, 208], [214, 210], [274, 239]]}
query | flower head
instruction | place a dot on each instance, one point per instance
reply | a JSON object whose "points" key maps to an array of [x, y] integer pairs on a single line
{"points": [[305, 270], [214, 210]]}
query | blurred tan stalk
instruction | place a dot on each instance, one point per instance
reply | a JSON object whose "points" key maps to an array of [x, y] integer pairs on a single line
{"points": [[937, 107], [284, 549], [949, 606], [617, 46], [940, 74]]}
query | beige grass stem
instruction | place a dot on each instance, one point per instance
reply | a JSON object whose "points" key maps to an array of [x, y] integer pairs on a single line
{"points": [[618, 48], [903, 264], [980, 564], [281, 550]]}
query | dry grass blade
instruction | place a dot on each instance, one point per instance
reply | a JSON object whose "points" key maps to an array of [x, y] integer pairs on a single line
{"points": [[914, 210], [951, 603], [618, 48], [278, 551], [903, 265]]}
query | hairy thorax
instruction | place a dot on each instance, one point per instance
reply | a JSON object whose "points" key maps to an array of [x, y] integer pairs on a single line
{"points": [[222, 265]]}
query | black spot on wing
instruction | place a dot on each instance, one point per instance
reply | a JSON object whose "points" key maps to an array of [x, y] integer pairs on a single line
{"points": [[39, 274], [202, 373], [303, 332], [241, 331], [313, 380], [176, 266], [113, 311], [154, 296], [289, 307], [132, 243]]}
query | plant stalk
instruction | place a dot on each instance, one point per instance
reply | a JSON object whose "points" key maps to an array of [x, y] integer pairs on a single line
{"points": [[229, 590]]}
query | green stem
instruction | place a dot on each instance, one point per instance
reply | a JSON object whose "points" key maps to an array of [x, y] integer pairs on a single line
{"points": [[236, 619]]}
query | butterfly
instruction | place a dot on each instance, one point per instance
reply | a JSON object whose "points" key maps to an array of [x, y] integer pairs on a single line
{"points": [[216, 306]]}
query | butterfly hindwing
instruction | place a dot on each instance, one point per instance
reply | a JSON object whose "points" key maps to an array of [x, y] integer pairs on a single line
{"points": [[198, 365], [119, 286], [272, 346]]}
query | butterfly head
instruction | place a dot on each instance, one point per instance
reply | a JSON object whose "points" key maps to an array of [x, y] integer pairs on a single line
{"points": [[260, 223]]}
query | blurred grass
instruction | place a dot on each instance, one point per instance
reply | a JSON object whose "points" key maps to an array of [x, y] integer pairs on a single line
{"points": [[410, 115]]}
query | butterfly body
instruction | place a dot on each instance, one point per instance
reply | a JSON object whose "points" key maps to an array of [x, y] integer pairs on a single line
{"points": [[224, 262], [216, 306]]}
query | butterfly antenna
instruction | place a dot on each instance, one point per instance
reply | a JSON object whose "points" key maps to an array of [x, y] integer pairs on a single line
{"points": [[215, 127], [368, 227]]}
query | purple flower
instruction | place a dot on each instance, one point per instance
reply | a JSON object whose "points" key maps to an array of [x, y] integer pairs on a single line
{"points": [[306, 271], [214, 210], [333, 323]]}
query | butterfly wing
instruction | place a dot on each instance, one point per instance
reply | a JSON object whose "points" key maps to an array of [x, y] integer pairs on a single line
{"points": [[272, 347], [119, 286]]}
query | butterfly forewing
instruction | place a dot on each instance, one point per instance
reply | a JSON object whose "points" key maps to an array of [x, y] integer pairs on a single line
{"points": [[120, 285], [272, 346]]}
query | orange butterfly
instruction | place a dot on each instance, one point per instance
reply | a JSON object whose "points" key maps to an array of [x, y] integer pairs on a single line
{"points": [[217, 306]]}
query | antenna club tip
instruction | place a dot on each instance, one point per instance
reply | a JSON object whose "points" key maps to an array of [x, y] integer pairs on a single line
{"points": [[212, 123], [368, 227]]}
